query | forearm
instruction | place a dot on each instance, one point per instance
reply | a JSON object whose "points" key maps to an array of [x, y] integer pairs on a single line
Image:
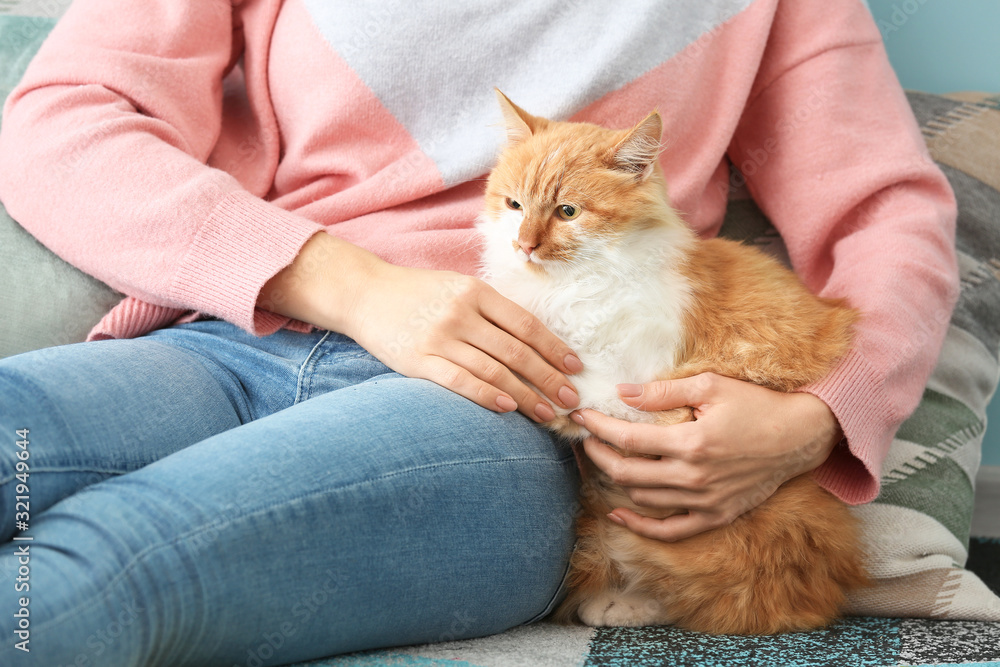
{"points": [[865, 214], [107, 155]]}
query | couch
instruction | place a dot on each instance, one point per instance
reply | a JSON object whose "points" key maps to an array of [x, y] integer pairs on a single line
{"points": [[935, 597]]}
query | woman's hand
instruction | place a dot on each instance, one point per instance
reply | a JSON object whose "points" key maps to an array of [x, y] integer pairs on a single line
{"points": [[446, 327], [460, 333], [745, 442]]}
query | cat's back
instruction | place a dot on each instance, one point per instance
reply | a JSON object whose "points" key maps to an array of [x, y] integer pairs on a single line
{"points": [[752, 318]]}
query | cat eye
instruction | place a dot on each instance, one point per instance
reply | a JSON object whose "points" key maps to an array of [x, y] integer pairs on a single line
{"points": [[567, 211], [513, 204]]}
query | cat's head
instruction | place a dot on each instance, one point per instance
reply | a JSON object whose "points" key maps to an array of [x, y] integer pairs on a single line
{"points": [[564, 193]]}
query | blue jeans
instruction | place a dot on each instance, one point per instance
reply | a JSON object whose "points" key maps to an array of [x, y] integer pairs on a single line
{"points": [[202, 496]]}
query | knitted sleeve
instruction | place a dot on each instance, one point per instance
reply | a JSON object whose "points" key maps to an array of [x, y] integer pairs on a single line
{"points": [[833, 155], [107, 152]]}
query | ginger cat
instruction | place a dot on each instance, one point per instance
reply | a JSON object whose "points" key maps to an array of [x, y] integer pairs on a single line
{"points": [[578, 229]]}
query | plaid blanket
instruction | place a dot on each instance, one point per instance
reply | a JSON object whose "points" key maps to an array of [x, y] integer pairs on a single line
{"points": [[855, 642]]}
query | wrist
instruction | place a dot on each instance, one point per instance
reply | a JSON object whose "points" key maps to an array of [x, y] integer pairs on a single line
{"points": [[323, 285], [824, 432]]}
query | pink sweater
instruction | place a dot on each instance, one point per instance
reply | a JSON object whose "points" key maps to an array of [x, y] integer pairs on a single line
{"points": [[183, 151]]}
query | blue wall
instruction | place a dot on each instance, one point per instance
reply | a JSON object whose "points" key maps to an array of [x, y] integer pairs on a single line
{"points": [[942, 46]]}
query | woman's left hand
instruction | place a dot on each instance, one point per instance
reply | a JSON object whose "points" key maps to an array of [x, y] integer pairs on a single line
{"points": [[745, 442]]}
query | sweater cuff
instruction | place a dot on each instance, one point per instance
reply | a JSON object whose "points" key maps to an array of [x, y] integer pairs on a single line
{"points": [[242, 245], [854, 392]]}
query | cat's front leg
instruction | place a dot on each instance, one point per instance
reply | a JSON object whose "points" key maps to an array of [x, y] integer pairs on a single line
{"points": [[615, 608]]}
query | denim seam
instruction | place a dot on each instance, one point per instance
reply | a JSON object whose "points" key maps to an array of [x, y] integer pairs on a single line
{"points": [[135, 559], [432, 466], [304, 381], [560, 593]]}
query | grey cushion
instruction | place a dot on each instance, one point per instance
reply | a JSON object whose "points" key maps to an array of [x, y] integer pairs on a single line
{"points": [[45, 301]]}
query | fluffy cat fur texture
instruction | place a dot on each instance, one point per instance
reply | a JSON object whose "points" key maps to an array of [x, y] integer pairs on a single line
{"points": [[578, 229]]}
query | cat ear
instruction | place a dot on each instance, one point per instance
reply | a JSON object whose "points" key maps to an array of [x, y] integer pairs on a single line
{"points": [[637, 152], [520, 124]]}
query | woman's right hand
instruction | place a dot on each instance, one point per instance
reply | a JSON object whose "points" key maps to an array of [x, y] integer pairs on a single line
{"points": [[452, 329]]}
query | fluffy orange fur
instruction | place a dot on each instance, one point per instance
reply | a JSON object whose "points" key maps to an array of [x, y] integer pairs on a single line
{"points": [[784, 566]]}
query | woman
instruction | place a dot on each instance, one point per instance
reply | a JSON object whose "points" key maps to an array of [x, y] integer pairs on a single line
{"points": [[308, 433]]}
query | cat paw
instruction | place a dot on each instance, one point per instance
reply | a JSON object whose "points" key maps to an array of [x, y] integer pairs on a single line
{"points": [[617, 609]]}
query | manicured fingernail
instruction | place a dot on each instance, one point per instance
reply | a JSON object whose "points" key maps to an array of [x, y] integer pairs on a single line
{"points": [[617, 519], [506, 403], [544, 412], [577, 417], [573, 363], [629, 390], [568, 397]]}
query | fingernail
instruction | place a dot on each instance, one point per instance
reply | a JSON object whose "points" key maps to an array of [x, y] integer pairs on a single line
{"points": [[617, 519], [573, 363], [629, 390], [568, 397], [506, 403], [577, 417], [544, 412]]}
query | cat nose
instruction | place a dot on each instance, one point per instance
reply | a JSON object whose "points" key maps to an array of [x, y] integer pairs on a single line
{"points": [[527, 248]]}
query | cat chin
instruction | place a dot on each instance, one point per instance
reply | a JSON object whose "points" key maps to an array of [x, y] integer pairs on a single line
{"points": [[559, 272], [517, 260]]}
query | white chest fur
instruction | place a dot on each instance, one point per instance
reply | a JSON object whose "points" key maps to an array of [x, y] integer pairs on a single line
{"points": [[621, 311]]}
